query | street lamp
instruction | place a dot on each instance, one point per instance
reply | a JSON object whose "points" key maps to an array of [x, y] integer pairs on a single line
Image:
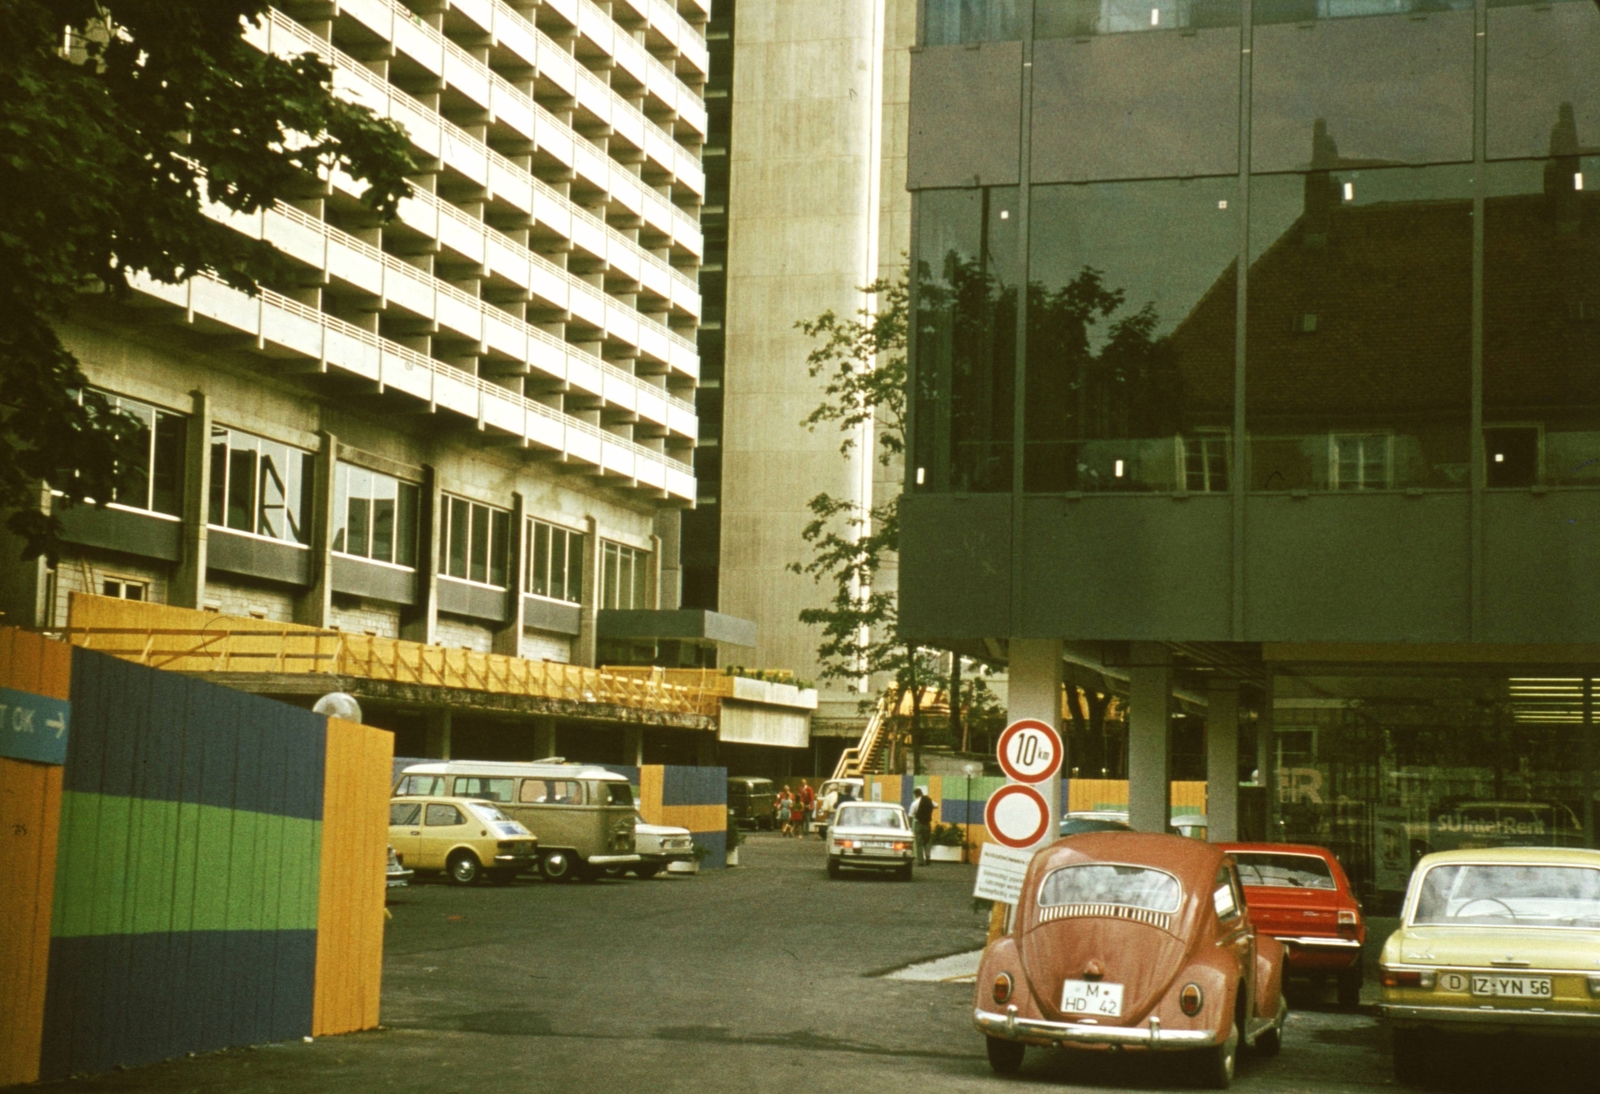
{"points": [[337, 704]]}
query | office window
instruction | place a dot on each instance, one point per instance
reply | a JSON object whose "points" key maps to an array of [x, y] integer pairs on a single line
{"points": [[555, 563], [950, 22], [153, 477], [260, 486], [375, 516], [625, 577], [474, 542]]}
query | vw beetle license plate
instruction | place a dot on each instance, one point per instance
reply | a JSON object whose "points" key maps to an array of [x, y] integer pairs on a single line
{"points": [[1512, 987], [1091, 997]]}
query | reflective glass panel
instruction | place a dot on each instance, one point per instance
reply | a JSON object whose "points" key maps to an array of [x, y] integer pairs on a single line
{"points": [[968, 270], [1541, 319], [167, 460], [949, 22], [539, 560], [1359, 341], [559, 547], [384, 492], [1544, 66], [1132, 308], [1082, 18], [241, 482], [479, 568]]}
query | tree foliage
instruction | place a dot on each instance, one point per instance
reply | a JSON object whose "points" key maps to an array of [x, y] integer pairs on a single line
{"points": [[118, 120]]}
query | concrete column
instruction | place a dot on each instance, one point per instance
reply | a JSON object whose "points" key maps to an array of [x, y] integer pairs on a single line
{"points": [[1267, 760], [437, 725], [669, 560], [1222, 760], [583, 649], [1149, 736], [508, 639], [188, 588], [544, 739], [420, 622], [314, 607], [633, 746], [1035, 692]]}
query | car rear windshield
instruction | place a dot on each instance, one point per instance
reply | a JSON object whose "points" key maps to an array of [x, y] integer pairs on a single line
{"points": [[620, 793], [866, 816], [1510, 894], [1107, 883], [1280, 871]]}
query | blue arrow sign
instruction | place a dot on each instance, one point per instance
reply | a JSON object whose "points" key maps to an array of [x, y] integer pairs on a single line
{"points": [[33, 727]]}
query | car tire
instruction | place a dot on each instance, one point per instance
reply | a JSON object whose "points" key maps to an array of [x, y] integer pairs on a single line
{"points": [[645, 873], [1005, 1057], [833, 868], [558, 866], [1219, 1061], [464, 868], [503, 876], [1413, 1057], [1350, 987]]}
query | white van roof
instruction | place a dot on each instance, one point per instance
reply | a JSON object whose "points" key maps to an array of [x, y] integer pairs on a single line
{"points": [[514, 770]]}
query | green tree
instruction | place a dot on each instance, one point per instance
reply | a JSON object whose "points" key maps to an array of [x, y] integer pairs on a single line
{"points": [[118, 119]]}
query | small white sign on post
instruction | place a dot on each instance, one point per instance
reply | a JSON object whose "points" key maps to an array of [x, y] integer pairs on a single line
{"points": [[1000, 873]]}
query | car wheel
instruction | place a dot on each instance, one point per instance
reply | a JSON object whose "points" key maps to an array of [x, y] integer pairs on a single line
{"points": [[557, 866], [645, 873], [1413, 1056], [833, 867], [464, 868], [1350, 987], [1216, 1071], [1005, 1057]]}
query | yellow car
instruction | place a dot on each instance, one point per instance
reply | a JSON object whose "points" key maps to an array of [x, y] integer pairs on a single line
{"points": [[460, 837], [1498, 940]]}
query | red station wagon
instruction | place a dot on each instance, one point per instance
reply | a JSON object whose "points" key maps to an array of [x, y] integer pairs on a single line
{"points": [[1125, 940], [1299, 894]]}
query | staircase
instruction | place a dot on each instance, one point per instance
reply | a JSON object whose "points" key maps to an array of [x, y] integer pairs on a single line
{"points": [[866, 757]]}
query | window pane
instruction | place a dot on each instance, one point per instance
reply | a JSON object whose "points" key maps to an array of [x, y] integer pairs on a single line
{"points": [[1544, 64], [384, 491], [608, 587], [968, 269], [217, 505], [561, 563], [499, 547], [624, 577], [302, 491], [166, 480], [341, 498], [407, 503], [134, 480], [360, 512], [479, 558], [574, 565], [641, 580], [1132, 310], [1131, 886], [1360, 379], [273, 494], [242, 483], [1081, 18], [456, 541], [540, 562], [949, 22]]}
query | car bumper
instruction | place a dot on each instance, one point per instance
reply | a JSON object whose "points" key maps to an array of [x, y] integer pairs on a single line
{"points": [[523, 861], [659, 857], [1320, 951], [399, 879], [1485, 1018], [878, 860], [613, 860], [1038, 1031]]}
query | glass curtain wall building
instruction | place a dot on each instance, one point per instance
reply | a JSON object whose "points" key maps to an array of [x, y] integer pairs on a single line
{"points": [[1264, 336]]}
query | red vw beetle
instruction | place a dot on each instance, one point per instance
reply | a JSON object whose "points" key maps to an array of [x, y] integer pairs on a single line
{"points": [[1123, 940], [1299, 894]]}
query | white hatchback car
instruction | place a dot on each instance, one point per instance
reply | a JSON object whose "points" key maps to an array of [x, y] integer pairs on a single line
{"points": [[870, 836], [659, 846]]}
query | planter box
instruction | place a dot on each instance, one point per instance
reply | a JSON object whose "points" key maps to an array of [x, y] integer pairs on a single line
{"points": [[733, 857], [941, 853], [683, 867]]}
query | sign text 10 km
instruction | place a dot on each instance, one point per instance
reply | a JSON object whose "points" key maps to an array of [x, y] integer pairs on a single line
{"points": [[1030, 751]]}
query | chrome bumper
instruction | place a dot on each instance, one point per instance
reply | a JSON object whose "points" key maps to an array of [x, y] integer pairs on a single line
{"points": [[525, 859], [612, 860], [664, 856], [1553, 1020], [1011, 1028], [399, 879], [1315, 943]]}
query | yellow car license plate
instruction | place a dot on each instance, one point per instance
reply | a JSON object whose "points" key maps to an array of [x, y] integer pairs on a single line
{"points": [[1090, 997], [1512, 987]]}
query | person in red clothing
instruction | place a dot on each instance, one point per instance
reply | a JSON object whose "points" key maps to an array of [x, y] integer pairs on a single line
{"points": [[808, 805]]}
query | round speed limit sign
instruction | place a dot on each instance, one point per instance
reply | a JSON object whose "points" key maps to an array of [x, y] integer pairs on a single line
{"points": [[1030, 751]]}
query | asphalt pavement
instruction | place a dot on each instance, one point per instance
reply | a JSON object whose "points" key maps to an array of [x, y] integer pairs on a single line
{"points": [[764, 978]]}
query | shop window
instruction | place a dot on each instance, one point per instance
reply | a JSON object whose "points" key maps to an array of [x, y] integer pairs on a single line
{"points": [[260, 487], [555, 564], [375, 516], [474, 542], [125, 588], [625, 578]]}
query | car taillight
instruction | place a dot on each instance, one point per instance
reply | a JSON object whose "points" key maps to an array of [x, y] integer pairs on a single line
{"points": [[1002, 987], [901, 846], [1407, 978], [1191, 999], [1348, 917], [844, 843]]}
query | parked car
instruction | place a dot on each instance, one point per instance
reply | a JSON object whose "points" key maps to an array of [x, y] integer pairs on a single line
{"points": [[1135, 941], [828, 793], [750, 801], [1300, 895], [1075, 824], [1193, 825], [870, 836], [462, 838], [582, 816], [397, 876], [1497, 940], [659, 846]]}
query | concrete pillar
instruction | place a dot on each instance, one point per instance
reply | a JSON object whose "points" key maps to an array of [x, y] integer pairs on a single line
{"points": [[1035, 692], [314, 607], [669, 560], [1222, 760], [420, 622], [508, 638], [583, 649], [188, 588], [633, 746], [437, 726], [544, 739], [1267, 761], [1149, 737]]}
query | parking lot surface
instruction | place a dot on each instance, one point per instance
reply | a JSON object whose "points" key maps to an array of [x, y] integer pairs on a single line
{"points": [[768, 977]]}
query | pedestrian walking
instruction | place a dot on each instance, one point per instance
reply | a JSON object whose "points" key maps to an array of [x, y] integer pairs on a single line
{"points": [[780, 811], [922, 809], [808, 806], [797, 817]]}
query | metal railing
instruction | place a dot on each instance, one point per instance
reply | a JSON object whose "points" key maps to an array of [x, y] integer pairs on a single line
{"points": [[861, 758]]}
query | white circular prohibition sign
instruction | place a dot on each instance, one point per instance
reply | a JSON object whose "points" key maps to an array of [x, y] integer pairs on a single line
{"points": [[1017, 816], [1029, 751]]}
